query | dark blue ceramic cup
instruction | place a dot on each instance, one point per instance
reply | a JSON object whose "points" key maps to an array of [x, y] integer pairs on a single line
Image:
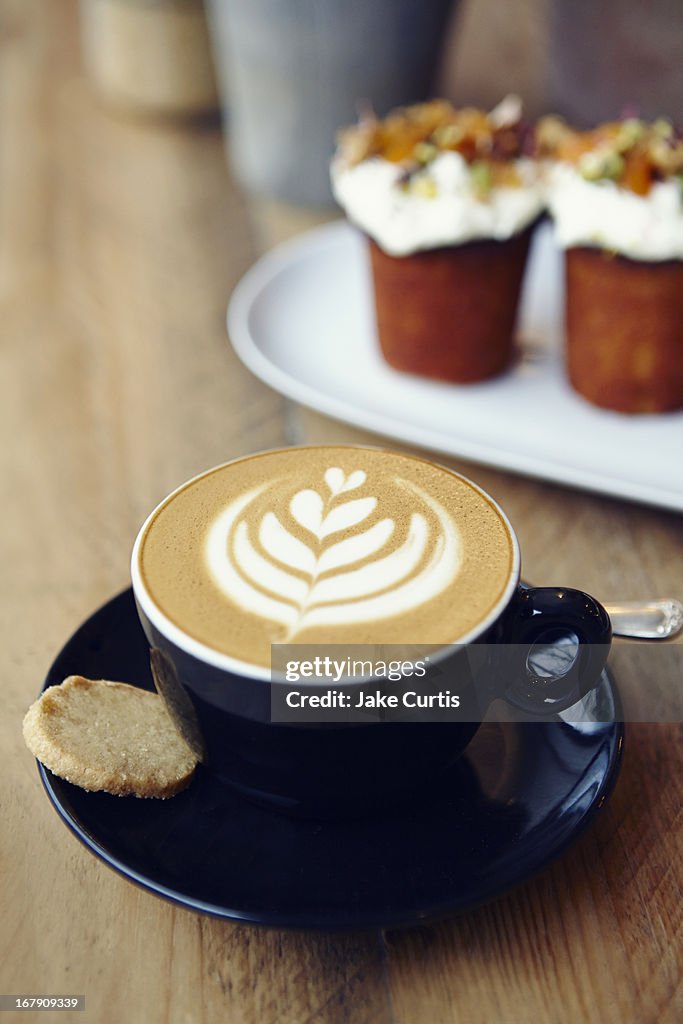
{"points": [[329, 768]]}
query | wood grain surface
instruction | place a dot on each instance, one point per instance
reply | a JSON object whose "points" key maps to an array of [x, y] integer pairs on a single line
{"points": [[120, 241]]}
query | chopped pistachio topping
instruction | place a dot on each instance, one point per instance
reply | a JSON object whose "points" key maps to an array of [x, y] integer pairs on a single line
{"points": [[631, 130], [663, 127], [481, 177], [448, 135], [603, 163], [634, 154], [420, 133], [423, 152]]}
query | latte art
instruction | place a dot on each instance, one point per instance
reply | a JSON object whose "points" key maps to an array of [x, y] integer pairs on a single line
{"points": [[333, 563], [327, 545]]}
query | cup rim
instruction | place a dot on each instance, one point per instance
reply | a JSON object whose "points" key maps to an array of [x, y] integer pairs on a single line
{"points": [[259, 673]]}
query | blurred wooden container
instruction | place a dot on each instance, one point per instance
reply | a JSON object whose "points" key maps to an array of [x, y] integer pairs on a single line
{"points": [[615, 56], [150, 56]]}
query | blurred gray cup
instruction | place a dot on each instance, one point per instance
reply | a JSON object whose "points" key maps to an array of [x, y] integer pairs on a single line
{"points": [[292, 72]]}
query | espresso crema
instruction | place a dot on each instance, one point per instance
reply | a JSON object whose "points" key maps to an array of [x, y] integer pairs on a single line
{"points": [[326, 545]]}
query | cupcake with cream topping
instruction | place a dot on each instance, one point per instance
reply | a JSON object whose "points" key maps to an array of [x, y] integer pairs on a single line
{"points": [[448, 199], [616, 196]]}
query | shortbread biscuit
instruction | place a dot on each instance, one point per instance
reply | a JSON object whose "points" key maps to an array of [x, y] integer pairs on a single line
{"points": [[108, 736]]}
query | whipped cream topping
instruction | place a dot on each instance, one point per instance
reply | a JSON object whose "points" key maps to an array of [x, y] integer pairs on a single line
{"points": [[440, 205], [602, 214]]}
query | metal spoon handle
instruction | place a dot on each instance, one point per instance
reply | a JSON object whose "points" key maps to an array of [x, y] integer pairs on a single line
{"points": [[646, 620]]}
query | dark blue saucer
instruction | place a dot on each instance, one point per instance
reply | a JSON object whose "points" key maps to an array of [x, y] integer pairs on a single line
{"points": [[515, 800]]}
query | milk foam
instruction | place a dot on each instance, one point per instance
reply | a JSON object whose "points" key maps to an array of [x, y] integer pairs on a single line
{"points": [[323, 545], [320, 578]]}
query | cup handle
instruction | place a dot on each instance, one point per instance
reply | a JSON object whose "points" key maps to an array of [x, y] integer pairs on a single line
{"points": [[546, 615]]}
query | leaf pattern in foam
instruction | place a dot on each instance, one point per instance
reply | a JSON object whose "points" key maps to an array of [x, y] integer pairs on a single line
{"points": [[338, 482], [388, 584], [283, 546], [353, 549], [379, 575], [263, 572], [231, 579], [308, 509]]}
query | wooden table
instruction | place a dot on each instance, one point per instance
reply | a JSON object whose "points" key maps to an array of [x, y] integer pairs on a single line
{"points": [[121, 241]]}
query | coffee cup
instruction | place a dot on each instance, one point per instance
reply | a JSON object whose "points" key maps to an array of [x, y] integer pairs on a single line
{"points": [[341, 547]]}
